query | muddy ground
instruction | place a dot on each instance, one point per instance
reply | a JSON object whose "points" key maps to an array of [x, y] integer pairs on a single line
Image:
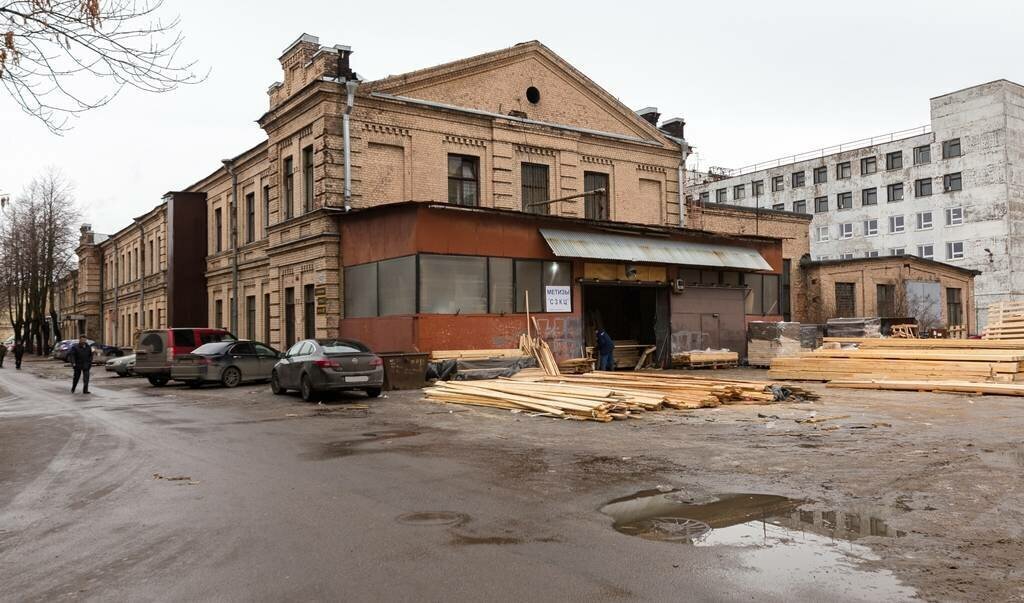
{"points": [[938, 477]]}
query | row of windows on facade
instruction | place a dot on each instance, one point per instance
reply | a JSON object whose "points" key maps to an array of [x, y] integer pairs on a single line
{"points": [[869, 196], [924, 220], [128, 325], [886, 304], [289, 326], [463, 189], [130, 265], [844, 171], [954, 251]]}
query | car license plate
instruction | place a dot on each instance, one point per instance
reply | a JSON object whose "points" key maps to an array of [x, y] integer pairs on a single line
{"points": [[359, 379]]}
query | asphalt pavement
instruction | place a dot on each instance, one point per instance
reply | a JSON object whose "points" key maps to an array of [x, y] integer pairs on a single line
{"points": [[167, 494]]}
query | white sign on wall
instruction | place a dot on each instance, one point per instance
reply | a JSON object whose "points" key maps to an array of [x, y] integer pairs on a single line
{"points": [[558, 299]]}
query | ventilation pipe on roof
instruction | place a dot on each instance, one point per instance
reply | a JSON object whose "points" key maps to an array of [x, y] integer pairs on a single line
{"points": [[350, 97]]}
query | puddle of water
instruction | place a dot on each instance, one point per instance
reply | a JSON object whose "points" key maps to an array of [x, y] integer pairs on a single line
{"points": [[797, 549], [343, 448]]}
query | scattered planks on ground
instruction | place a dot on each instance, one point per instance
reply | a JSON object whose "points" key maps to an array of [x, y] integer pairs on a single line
{"points": [[438, 355], [952, 387], [608, 396]]}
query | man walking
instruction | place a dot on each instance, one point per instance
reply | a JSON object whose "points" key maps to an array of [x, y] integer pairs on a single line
{"points": [[19, 351], [3, 353], [605, 351], [81, 361]]}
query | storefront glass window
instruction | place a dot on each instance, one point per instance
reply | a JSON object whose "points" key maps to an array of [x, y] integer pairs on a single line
{"points": [[397, 286], [453, 284], [528, 279], [360, 291], [502, 289]]}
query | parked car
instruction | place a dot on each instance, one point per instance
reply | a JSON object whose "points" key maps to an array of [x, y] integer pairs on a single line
{"points": [[313, 366], [61, 348], [100, 352], [226, 362], [156, 349], [123, 366]]}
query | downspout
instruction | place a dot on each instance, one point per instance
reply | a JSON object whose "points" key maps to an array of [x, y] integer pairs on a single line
{"points": [[229, 165], [682, 193], [350, 97], [117, 296], [142, 277], [103, 273]]}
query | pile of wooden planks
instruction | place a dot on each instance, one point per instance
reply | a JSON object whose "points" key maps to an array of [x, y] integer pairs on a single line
{"points": [[576, 365], [539, 349], [705, 359], [1005, 321], [628, 354], [951, 387], [438, 355], [607, 396], [905, 359]]}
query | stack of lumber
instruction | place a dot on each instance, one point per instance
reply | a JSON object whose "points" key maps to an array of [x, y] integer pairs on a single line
{"points": [[705, 359], [854, 327], [539, 349], [768, 340], [607, 396], [627, 354], [951, 387], [1005, 321], [928, 344], [576, 365], [904, 359], [439, 355]]}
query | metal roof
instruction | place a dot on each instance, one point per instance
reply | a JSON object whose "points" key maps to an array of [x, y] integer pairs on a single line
{"points": [[625, 248]]}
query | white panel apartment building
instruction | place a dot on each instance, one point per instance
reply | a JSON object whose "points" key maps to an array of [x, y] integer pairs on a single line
{"points": [[952, 191]]}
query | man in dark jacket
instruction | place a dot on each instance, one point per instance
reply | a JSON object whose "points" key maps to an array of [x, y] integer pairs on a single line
{"points": [[80, 356], [19, 351], [605, 351], [3, 352]]}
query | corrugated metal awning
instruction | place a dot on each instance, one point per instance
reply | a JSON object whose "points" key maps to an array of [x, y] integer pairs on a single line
{"points": [[626, 248]]}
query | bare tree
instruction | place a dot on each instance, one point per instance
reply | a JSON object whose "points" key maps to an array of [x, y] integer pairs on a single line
{"points": [[53, 52], [37, 249]]}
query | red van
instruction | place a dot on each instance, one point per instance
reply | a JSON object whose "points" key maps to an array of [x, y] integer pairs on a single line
{"points": [[157, 348]]}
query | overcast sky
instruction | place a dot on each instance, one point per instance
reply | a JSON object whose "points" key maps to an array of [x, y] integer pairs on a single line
{"points": [[753, 79]]}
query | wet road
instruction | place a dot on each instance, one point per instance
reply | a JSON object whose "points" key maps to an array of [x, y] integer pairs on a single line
{"points": [[236, 495]]}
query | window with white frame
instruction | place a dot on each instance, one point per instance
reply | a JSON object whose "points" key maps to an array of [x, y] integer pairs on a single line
{"points": [[871, 227], [926, 251], [822, 235], [924, 220], [897, 251], [871, 254], [955, 250], [846, 256], [954, 216], [846, 230], [896, 224]]}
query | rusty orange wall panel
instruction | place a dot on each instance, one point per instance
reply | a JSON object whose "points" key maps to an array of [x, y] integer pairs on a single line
{"points": [[377, 236], [466, 233], [382, 334]]}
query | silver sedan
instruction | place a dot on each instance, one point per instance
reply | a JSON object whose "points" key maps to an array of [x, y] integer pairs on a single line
{"points": [[226, 362], [313, 366]]}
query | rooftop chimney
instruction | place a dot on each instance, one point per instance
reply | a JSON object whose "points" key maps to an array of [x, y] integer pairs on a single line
{"points": [[650, 114], [674, 127]]}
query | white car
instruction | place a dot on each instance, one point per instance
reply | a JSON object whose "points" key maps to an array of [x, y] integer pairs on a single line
{"points": [[123, 366]]}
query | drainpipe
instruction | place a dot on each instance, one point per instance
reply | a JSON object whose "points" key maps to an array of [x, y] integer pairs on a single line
{"points": [[350, 97], [117, 291], [142, 277], [229, 165], [682, 193]]}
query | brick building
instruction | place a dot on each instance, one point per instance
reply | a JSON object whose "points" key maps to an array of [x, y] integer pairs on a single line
{"points": [[512, 132]]}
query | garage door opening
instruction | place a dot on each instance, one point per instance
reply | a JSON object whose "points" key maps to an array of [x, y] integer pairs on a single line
{"points": [[630, 314]]}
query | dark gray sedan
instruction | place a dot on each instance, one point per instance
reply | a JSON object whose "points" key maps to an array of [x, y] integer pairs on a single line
{"points": [[313, 366], [226, 362]]}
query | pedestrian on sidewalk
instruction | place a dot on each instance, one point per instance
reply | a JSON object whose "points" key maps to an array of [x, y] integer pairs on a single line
{"points": [[19, 351], [81, 361], [3, 353], [605, 351]]}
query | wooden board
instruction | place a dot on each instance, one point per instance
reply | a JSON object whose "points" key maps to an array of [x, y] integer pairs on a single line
{"points": [[874, 343], [997, 389]]}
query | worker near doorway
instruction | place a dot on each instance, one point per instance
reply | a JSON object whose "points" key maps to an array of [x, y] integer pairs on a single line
{"points": [[605, 351]]}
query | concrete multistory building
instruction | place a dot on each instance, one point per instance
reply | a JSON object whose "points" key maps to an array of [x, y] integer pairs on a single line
{"points": [[951, 191]]}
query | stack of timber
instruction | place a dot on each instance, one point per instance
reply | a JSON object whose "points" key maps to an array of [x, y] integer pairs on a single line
{"points": [[904, 360], [576, 365], [854, 327], [539, 349], [768, 340], [1005, 321], [628, 354], [608, 396], [439, 355], [705, 359], [949, 387]]}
